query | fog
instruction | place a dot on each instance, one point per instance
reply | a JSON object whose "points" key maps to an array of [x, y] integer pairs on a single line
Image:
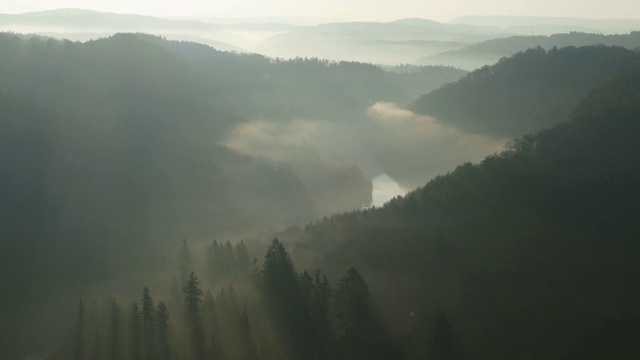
{"points": [[385, 189], [362, 10], [385, 139], [256, 180]]}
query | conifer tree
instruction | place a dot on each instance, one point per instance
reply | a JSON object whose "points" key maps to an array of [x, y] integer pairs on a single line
{"points": [[285, 297], [79, 335], [247, 345], [353, 309], [192, 299], [441, 345], [242, 258], [352, 302], [136, 353], [184, 260], [215, 350], [114, 341], [97, 345], [148, 326], [162, 326]]}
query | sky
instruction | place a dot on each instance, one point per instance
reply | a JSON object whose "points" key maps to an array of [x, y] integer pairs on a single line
{"points": [[362, 10]]}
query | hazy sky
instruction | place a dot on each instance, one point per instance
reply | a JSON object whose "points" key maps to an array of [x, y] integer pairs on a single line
{"points": [[440, 10]]}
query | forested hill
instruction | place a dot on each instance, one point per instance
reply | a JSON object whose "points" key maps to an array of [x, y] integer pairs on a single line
{"points": [[197, 81], [110, 152], [490, 51], [527, 92], [532, 253], [148, 104]]}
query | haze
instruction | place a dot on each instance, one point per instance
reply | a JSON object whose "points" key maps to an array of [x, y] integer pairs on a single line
{"points": [[319, 180], [362, 10]]}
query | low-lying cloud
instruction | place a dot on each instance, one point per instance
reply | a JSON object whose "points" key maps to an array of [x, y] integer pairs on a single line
{"points": [[414, 148], [386, 139]]}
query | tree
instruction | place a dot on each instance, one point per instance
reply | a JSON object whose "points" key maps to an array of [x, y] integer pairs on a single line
{"points": [[247, 345], [215, 351], [114, 345], [353, 304], [135, 332], [229, 258], [242, 258], [148, 326], [96, 345], [362, 336], [441, 342], [162, 325], [319, 303], [192, 299], [285, 298], [79, 336], [184, 260]]}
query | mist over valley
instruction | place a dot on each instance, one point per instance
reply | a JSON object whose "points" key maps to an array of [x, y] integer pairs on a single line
{"points": [[318, 187]]}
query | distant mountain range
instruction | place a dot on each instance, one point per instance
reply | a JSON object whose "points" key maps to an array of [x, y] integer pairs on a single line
{"points": [[412, 40], [488, 52], [395, 42], [551, 25]]}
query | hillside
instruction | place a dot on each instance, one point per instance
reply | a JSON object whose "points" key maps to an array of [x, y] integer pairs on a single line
{"points": [[138, 122], [134, 163], [489, 52], [236, 100], [115, 149], [526, 92], [531, 253]]}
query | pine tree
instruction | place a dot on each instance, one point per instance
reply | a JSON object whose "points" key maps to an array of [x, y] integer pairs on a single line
{"points": [[192, 299], [162, 326], [441, 343], [322, 295], [136, 353], [242, 258], [97, 345], [212, 259], [184, 260], [215, 351], [286, 299], [352, 302], [353, 309], [148, 326], [246, 342], [229, 258], [79, 335], [114, 345]]}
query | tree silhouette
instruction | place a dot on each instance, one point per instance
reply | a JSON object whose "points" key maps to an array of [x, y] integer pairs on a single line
{"points": [[184, 259], [114, 345], [148, 326], [441, 343], [353, 304], [246, 343], [192, 299], [242, 258], [286, 300], [362, 336], [79, 335], [136, 353], [162, 325]]}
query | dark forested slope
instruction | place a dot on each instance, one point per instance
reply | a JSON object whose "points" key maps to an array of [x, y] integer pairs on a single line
{"points": [[526, 92], [532, 253], [111, 151]]}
